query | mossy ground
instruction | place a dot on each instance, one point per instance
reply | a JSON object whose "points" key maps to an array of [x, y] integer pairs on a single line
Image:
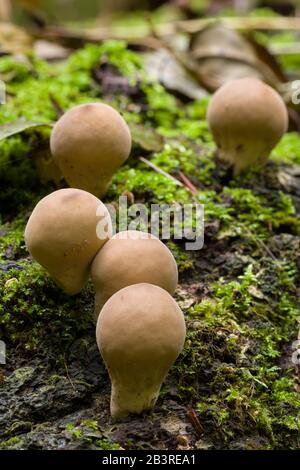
{"points": [[239, 293]]}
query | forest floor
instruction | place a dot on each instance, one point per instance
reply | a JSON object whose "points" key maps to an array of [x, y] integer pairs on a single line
{"points": [[235, 385]]}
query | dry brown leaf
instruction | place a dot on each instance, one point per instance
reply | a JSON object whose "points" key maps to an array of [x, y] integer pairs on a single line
{"points": [[146, 138], [162, 66], [18, 126], [221, 54]]}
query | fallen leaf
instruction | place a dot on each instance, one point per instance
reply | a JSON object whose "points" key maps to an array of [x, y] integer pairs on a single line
{"points": [[289, 179], [146, 138], [18, 126], [265, 56], [162, 66], [219, 54]]}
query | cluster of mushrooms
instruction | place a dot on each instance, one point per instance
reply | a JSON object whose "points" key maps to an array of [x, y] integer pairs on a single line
{"points": [[140, 328]]}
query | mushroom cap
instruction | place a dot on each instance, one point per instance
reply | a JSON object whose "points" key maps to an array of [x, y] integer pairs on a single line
{"points": [[132, 257], [140, 333], [247, 119], [61, 235], [89, 143]]}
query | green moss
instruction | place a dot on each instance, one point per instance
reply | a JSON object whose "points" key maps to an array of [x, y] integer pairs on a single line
{"points": [[231, 368], [230, 364], [193, 160], [263, 13], [105, 444], [76, 433], [18, 176], [12, 244], [33, 88], [147, 183], [69, 83], [91, 424], [14, 443], [89, 433], [289, 62], [114, 52], [259, 215], [184, 262], [15, 69], [33, 308], [288, 149], [215, 208], [164, 108]]}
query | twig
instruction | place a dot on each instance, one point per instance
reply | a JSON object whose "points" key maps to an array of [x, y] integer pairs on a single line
{"points": [[240, 23], [68, 375], [56, 106], [76, 38], [261, 244], [160, 171], [141, 35], [265, 247], [194, 419], [187, 182]]}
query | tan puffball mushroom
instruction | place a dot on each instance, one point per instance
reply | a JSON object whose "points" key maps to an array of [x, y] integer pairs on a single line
{"points": [[64, 233], [140, 333], [247, 119], [131, 257], [89, 143]]}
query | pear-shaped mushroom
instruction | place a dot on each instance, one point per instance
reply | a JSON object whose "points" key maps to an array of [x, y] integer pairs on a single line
{"points": [[247, 119], [89, 143], [64, 233], [140, 333], [131, 257]]}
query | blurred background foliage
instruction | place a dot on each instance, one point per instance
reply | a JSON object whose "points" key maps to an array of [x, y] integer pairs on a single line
{"points": [[78, 10]]}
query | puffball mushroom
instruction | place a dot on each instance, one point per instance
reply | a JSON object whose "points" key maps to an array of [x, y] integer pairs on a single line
{"points": [[131, 257], [64, 233], [140, 333], [247, 119], [89, 143]]}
